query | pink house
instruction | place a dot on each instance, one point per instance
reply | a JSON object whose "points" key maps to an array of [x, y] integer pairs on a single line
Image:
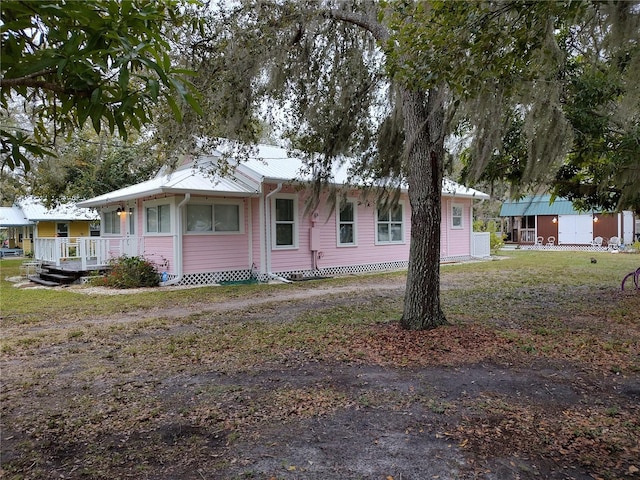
{"points": [[201, 228]]}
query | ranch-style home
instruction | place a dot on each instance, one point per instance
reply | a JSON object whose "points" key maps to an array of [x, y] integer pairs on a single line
{"points": [[200, 228], [28, 221], [534, 220]]}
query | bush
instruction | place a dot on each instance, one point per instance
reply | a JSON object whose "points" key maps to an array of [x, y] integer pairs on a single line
{"points": [[132, 272]]}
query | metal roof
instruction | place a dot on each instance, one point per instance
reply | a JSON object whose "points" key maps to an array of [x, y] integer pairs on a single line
{"points": [[538, 205], [13, 217], [35, 211], [275, 164], [186, 180], [269, 163]]}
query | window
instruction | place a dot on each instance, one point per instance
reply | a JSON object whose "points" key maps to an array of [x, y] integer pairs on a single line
{"points": [[94, 229], [159, 219], [111, 222], [62, 229], [285, 211], [346, 219], [456, 216], [390, 225], [218, 217]]}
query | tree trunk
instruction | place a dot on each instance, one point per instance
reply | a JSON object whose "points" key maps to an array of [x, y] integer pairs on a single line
{"points": [[424, 124]]}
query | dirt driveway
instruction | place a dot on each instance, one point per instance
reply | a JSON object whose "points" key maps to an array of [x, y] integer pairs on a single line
{"points": [[186, 393]]}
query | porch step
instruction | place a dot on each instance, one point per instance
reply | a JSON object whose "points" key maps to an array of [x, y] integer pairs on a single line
{"points": [[52, 277], [41, 281], [58, 278]]}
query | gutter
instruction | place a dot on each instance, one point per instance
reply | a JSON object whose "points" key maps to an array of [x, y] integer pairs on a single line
{"points": [[267, 214], [177, 253]]}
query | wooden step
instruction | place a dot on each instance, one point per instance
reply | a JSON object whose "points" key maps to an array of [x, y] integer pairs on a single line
{"points": [[41, 281], [60, 278]]}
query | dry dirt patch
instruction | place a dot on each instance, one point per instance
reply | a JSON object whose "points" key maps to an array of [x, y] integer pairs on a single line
{"points": [[197, 395]]}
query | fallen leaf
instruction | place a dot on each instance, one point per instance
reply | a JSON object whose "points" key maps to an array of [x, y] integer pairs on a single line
{"points": [[633, 469]]}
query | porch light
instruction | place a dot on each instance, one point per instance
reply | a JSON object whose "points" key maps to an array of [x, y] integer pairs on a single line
{"points": [[120, 212], [595, 219], [554, 219]]}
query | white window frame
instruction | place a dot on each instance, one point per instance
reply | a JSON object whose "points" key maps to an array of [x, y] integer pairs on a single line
{"points": [[354, 205], [111, 212], [403, 224], [212, 203], [156, 203], [274, 222], [453, 216]]}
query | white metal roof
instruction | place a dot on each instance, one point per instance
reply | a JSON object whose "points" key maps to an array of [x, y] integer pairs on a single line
{"points": [[269, 163], [185, 180], [34, 210], [13, 217], [274, 163]]}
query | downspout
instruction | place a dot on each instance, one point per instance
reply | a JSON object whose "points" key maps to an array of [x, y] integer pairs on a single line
{"points": [[177, 253], [267, 211]]}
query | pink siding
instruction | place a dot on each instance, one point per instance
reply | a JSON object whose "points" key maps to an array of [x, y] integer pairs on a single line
{"points": [[283, 260], [331, 255], [213, 253], [365, 251], [257, 238], [159, 250], [217, 252], [455, 241]]}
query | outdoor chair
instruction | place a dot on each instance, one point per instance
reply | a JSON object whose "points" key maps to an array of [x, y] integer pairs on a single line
{"points": [[551, 241], [614, 243], [596, 242], [539, 242]]}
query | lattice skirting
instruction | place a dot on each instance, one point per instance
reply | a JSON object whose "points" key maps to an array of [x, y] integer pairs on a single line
{"points": [[211, 278], [566, 248]]}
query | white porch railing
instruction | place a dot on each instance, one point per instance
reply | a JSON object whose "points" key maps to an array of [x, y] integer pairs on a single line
{"points": [[527, 235], [85, 253]]}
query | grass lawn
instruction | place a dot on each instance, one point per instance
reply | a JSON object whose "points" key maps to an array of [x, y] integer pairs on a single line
{"points": [[538, 376]]}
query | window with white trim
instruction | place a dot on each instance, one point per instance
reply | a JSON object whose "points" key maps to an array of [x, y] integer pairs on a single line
{"points": [[284, 223], [158, 218], [346, 223], [214, 218], [110, 222], [390, 224], [456, 215]]}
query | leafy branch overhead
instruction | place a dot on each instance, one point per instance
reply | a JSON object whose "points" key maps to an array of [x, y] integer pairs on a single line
{"points": [[68, 62]]}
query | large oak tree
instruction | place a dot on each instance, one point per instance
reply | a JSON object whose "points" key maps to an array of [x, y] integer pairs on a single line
{"points": [[387, 83]]}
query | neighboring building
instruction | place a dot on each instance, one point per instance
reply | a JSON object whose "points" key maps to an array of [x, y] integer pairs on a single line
{"points": [[534, 217], [202, 229], [28, 219]]}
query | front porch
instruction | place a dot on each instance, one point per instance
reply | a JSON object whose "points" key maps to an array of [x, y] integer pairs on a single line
{"points": [[84, 254]]}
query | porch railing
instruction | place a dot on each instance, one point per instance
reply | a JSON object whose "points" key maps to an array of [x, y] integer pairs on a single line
{"points": [[85, 253], [527, 235], [481, 244]]}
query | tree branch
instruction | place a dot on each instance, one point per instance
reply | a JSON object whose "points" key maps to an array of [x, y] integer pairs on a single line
{"points": [[370, 24], [27, 81]]}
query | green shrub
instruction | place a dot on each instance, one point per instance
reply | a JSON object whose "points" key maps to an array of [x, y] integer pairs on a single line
{"points": [[131, 272]]}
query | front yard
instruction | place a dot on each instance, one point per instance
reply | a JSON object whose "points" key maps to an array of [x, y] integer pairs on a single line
{"points": [[538, 376]]}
